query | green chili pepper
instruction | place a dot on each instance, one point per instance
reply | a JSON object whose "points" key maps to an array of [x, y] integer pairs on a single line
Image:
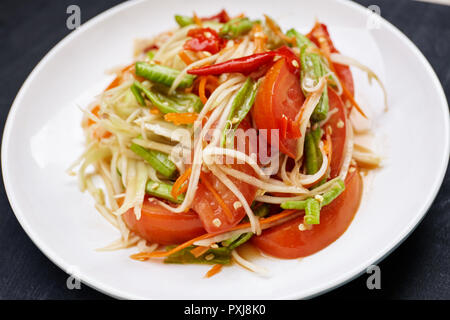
{"points": [[183, 21], [312, 211], [177, 102], [137, 94], [158, 160], [337, 188], [235, 28], [212, 256], [240, 107], [162, 74], [162, 190]]}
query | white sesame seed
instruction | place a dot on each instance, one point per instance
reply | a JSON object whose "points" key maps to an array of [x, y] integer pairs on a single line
{"points": [[340, 124], [329, 130], [295, 63], [352, 169], [214, 246], [237, 205], [301, 227], [191, 109], [209, 257], [318, 197], [217, 222]]}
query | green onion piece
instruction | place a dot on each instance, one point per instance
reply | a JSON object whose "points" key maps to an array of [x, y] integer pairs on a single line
{"points": [[240, 107], [235, 28], [177, 102], [183, 21], [137, 94], [158, 160], [312, 211], [212, 256], [162, 190], [162, 74]]}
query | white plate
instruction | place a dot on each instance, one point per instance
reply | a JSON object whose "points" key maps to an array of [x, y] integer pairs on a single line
{"points": [[43, 136]]}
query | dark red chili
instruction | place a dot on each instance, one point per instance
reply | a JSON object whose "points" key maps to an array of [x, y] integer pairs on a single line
{"points": [[204, 39], [222, 17], [252, 63]]}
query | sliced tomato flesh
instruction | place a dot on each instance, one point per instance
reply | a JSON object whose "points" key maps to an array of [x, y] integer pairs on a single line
{"points": [[160, 225], [277, 104], [287, 241]]}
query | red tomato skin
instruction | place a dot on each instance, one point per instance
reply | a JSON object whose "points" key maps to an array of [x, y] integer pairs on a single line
{"points": [[278, 101], [339, 132], [159, 225], [286, 241]]}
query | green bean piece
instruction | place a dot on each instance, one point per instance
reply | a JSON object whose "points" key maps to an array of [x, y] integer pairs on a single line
{"points": [[235, 28], [240, 107], [177, 102], [237, 240], [212, 256], [183, 21], [162, 190], [328, 197], [313, 68], [302, 40], [137, 94], [311, 159], [337, 188], [312, 211], [162, 74], [262, 210], [158, 160]]}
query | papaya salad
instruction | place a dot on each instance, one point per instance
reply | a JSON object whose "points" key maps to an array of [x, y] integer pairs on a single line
{"points": [[222, 131]]}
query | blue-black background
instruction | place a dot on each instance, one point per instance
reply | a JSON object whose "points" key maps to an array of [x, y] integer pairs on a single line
{"points": [[418, 269]]}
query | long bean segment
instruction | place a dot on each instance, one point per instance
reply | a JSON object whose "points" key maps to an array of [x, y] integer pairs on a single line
{"points": [[183, 21], [137, 94], [235, 28], [158, 160], [312, 211], [240, 107], [313, 68], [162, 74], [337, 188], [162, 190], [175, 103]]}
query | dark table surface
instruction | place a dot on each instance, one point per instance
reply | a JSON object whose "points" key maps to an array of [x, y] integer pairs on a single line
{"points": [[418, 269]]}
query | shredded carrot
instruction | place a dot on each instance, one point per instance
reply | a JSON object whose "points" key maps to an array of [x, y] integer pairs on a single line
{"points": [[181, 184], [142, 256], [154, 111], [207, 184], [184, 56], [352, 100], [214, 270], [115, 83], [181, 118], [276, 29], [94, 111], [199, 251], [197, 20], [260, 38], [201, 89]]}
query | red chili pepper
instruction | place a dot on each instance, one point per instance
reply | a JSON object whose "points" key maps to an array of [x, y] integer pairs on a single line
{"points": [[252, 63], [222, 17], [204, 39]]}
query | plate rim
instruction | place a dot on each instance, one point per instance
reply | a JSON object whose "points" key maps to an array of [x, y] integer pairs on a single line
{"points": [[311, 292]]}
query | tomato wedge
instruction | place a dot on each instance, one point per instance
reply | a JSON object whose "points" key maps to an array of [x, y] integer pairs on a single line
{"points": [[278, 102], [286, 241], [207, 205], [343, 72], [338, 124], [159, 225]]}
